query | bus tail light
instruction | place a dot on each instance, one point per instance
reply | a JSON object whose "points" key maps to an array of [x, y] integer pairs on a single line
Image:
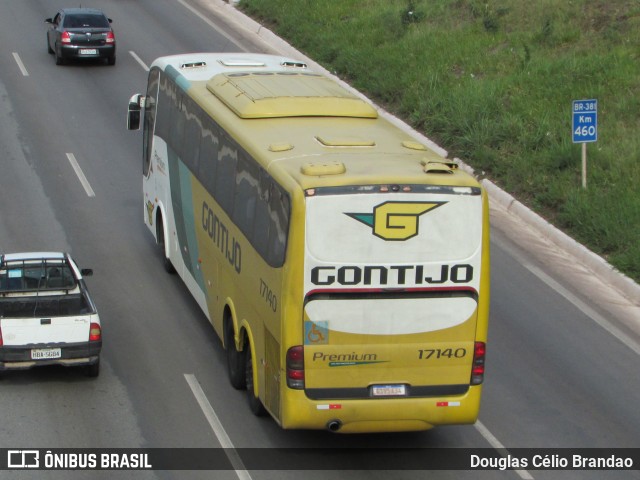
{"points": [[65, 37], [295, 367], [95, 332], [477, 368]]}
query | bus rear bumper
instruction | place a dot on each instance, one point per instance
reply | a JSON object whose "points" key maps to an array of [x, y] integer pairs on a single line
{"points": [[381, 415]]}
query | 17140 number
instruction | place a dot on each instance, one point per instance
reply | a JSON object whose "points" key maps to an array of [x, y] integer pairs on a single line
{"points": [[442, 353]]}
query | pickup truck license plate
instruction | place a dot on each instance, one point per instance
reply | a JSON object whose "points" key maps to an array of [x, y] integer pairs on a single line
{"points": [[388, 390], [43, 353]]}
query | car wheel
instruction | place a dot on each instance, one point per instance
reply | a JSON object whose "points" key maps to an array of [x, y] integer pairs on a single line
{"points": [[59, 59], [255, 404], [235, 359], [93, 370], [49, 49], [111, 60]]}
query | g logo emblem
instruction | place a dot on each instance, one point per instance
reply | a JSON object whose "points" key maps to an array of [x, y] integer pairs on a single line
{"points": [[396, 220]]}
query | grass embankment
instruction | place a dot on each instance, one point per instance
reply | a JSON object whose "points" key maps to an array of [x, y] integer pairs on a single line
{"points": [[492, 82]]}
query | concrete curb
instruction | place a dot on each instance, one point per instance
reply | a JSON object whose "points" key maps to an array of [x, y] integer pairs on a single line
{"points": [[599, 266]]}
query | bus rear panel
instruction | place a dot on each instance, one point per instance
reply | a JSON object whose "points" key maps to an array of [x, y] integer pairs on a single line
{"points": [[392, 284]]}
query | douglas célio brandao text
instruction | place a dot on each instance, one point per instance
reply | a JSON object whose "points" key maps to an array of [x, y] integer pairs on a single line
{"points": [[551, 462]]}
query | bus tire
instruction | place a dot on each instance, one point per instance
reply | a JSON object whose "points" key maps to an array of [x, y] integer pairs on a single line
{"points": [[235, 359], [168, 266], [255, 404]]}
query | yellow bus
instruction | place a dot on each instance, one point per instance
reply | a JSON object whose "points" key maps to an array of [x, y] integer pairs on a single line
{"points": [[343, 264]]}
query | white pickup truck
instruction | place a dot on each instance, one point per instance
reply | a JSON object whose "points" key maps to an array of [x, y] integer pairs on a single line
{"points": [[46, 314]]}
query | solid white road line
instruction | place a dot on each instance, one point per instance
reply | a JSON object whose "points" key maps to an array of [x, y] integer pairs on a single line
{"points": [[139, 60], [21, 66], [495, 443], [208, 22], [217, 427], [83, 180], [236, 461], [579, 304], [586, 309]]}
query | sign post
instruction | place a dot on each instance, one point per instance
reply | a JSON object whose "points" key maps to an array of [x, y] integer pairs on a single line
{"points": [[585, 128]]}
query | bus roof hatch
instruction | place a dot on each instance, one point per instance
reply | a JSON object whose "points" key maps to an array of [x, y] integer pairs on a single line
{"points": [[287, 94]]}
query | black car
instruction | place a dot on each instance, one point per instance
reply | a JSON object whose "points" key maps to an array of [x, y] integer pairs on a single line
{"points": [[77, 33]]}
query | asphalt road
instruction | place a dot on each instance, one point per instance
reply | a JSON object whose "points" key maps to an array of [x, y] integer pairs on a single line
{"points": [[562, 367]]}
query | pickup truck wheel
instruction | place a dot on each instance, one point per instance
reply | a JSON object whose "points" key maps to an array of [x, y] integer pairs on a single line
{"points": [[93, 370]]}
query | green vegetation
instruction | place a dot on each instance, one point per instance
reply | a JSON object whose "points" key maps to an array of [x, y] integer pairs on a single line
{"points": [[492, 82]]}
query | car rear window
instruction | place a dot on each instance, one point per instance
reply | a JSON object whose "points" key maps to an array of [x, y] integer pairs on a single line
{"points": [[34, 277], [86, 20]]}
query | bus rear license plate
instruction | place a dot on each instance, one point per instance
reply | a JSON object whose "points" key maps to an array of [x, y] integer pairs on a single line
{"points": [[388, 390], [41, 353], [88, 51]]}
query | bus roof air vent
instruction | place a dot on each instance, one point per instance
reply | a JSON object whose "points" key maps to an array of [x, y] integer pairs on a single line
{"points": [[190, 65], [293, 95], [241, 62], [413, 145], [438, 166], [289, 63], [321, 169], [280, 147], [345, 142]]}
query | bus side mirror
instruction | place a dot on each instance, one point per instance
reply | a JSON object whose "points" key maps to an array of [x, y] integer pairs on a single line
{"points": [[136, 103]]}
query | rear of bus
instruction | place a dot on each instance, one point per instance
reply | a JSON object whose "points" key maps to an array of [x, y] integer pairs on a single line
{"points": [[395, 309]]}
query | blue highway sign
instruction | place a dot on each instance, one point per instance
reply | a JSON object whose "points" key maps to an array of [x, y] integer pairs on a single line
{"points": [[585, 121]]}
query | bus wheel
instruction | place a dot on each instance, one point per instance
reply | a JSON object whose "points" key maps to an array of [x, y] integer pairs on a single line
{"points": [[255, 404], [168, 266], [235, 359]]}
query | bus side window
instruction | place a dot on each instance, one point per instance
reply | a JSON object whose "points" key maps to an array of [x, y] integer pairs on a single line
{"points": [[176, 129], [192, 137], [280, 208], [262, 222], [164, 108], [246, 195], [208, 158], [226, 174]]}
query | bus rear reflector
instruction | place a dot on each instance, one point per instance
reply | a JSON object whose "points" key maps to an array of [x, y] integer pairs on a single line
{"points": [[477, 369], [295, 367]]}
